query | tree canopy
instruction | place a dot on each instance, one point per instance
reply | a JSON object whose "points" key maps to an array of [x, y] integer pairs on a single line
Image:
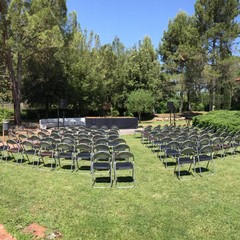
{"points": [[45, 56]]}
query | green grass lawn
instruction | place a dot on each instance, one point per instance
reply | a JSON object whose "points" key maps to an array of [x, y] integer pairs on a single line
{"points": [[159, 207]]}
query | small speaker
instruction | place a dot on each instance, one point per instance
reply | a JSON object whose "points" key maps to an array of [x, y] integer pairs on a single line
{"points": [[63, 103], [170, 106]]}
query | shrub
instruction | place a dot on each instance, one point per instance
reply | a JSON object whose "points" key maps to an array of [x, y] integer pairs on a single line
{"points": [[5, 114], [219, 119], [114, 112]]}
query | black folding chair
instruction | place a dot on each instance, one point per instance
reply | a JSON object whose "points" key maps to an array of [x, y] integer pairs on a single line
{"points": [[205, 154], [124, 161], [187, 156], [65, 151], [14, 149], [101, 162], [47, 151], [83, 153]]}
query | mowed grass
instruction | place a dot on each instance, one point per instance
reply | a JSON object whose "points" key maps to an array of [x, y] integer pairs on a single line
{"points": [[159, 207]]}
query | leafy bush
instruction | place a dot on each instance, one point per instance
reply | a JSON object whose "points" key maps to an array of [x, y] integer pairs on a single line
{"points": [[198, 107], [4, 114], [140, 101], [219, 119], [114, 112]]}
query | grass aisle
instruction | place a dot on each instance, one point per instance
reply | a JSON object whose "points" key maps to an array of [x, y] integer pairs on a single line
{"points": [[159, 207]]}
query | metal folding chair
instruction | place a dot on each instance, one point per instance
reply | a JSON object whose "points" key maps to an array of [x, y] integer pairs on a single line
{"points": [[101, 162], [205, 154], [187, 156], [124, 162]]}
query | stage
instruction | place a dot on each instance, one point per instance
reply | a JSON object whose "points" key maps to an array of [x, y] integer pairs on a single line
{"points": [[121, 122]]}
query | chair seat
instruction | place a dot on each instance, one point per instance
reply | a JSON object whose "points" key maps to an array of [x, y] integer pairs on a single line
{"points": [[14, 150], [65, 155], [101, 166], [30, 152], [124, 165], [186, 160], [2, 148], [84, 156], [46, 154], [172, 152], [226, 146], [204, 158], [217, 147]]}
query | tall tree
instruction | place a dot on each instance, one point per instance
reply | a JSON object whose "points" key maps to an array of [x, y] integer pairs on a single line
{"points": [[179, 44], [13, 15], [44, 83], [27, 28], [218, 28]]}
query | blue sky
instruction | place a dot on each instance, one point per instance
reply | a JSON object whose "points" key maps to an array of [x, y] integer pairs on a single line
{"points": [[130, 20]]}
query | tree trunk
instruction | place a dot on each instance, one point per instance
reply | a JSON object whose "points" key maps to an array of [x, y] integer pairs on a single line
{"points": [[139, 117], [181, 102], [15, 79], [15, 82], [188, 101]]}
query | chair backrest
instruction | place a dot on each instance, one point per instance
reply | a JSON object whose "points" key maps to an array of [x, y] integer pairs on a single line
{"points": [[27, 145], [115, 127], [82, 135], [187, 144], [121, 147], [68, 135], [117, 141], [193, 137], [189, 151], [113, 132], [12, 143], [216, 141], [166, 140], [111, 137], [102, 156], [208, 149], [42, 135], [101, 148], [173, 145], [68, 140], [237, 139], [97, 136], [87, 141], [126, 155], [203, 142], [65, 147], [34, 138], [12, 136], [82, 147], [46, 145], [104, 127], [181, 138], [22, 137], [101, 141]]}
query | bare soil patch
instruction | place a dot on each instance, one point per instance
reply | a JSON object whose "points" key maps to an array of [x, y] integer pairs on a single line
{"points": [[4, 235]]}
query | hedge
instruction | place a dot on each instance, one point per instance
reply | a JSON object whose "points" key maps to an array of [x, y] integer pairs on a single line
{"points": [[224, 119]]}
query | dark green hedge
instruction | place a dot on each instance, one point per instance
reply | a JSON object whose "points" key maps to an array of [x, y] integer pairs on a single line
{"points": [[219, 119]]}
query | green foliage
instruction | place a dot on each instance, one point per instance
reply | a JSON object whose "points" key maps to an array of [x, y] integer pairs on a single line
{"points": [[46, 56], [218, 27], [219, 119], [114, 112], [140, 101], [181, 52], [5, 114]]}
